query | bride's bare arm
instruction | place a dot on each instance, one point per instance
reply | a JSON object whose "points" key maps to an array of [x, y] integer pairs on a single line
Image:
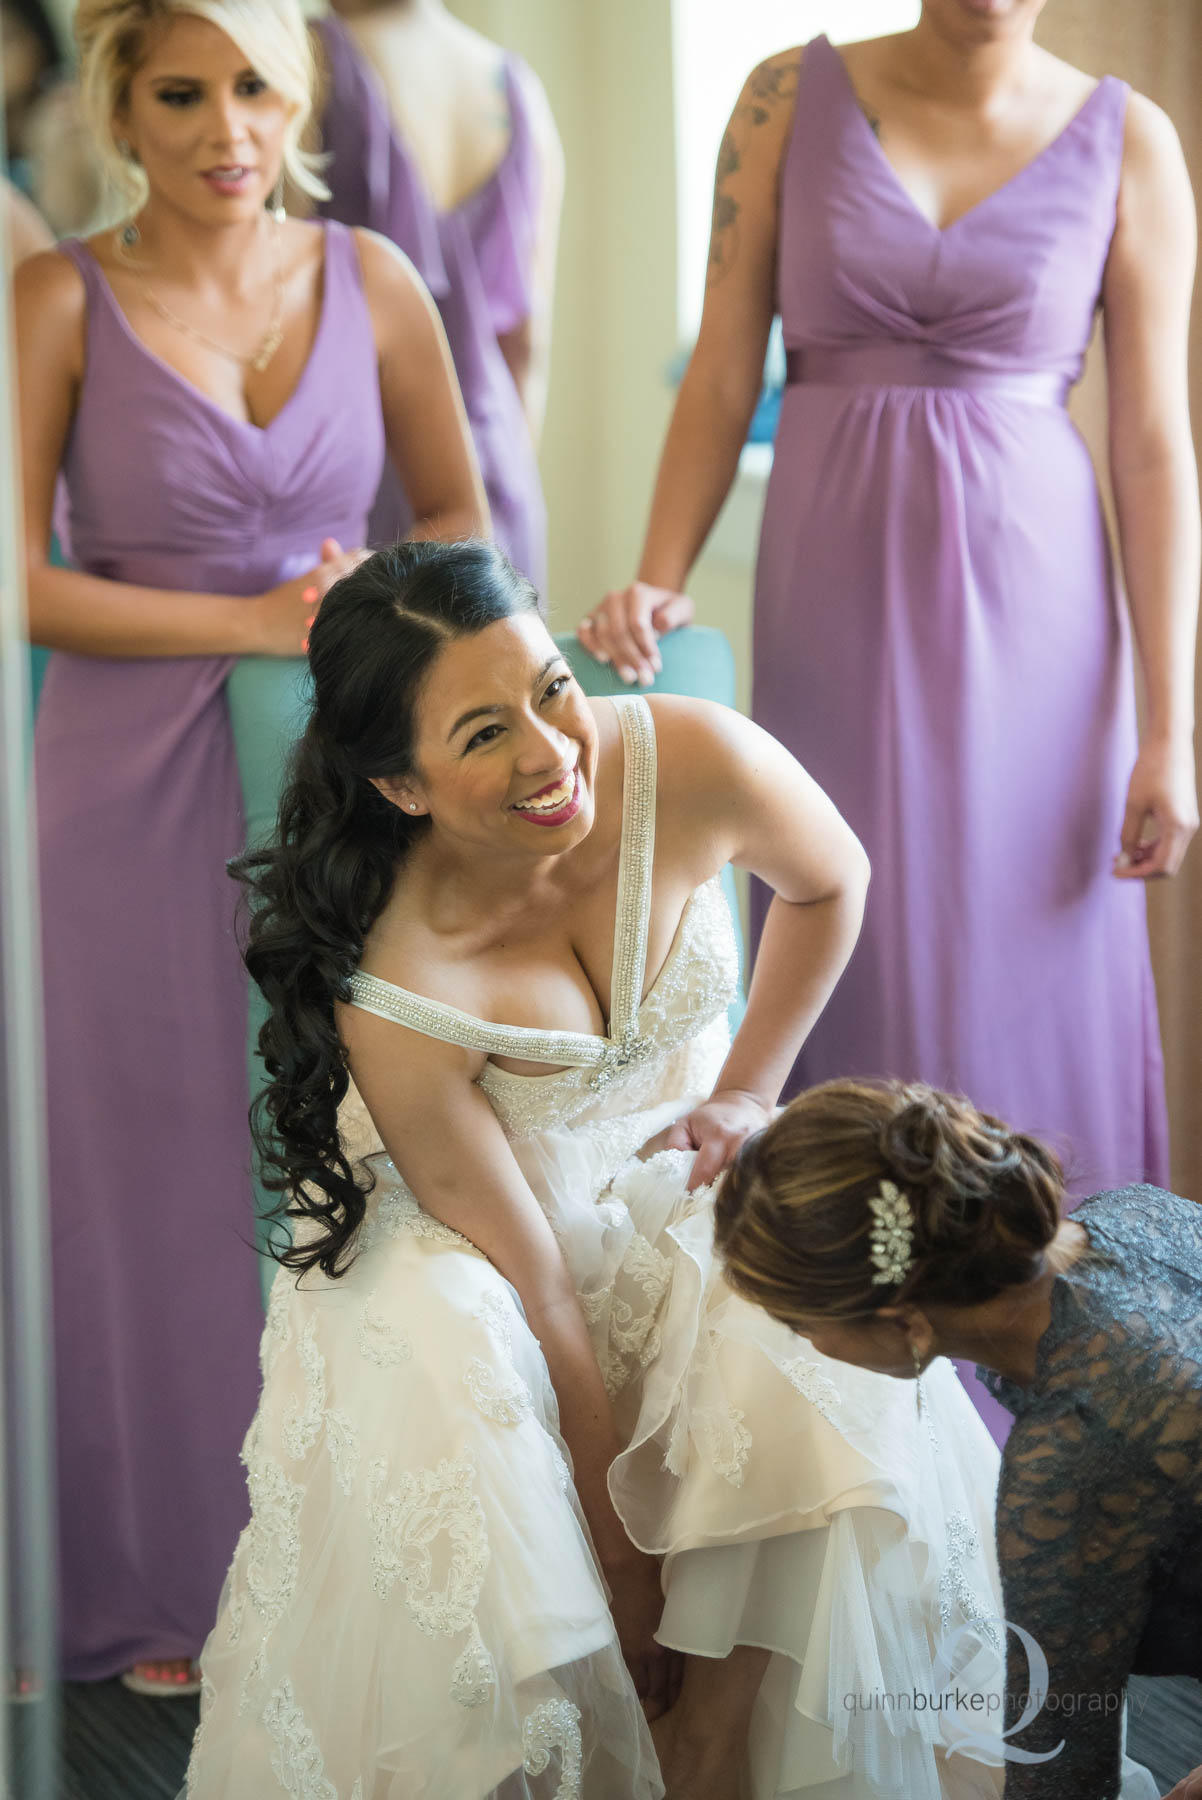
{"points": [[445, 1140], [730, 793]]}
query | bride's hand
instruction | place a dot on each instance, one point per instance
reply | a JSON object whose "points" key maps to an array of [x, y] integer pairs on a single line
{"points": [[637, 1601], [715, 1130]]}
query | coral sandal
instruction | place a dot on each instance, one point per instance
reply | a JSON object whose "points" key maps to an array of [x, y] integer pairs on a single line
{"points": [[166, 1678]]}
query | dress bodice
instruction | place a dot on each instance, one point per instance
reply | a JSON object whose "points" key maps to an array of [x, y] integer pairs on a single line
{"points": [[216, 502], [653, 1039], [1011, 286]]}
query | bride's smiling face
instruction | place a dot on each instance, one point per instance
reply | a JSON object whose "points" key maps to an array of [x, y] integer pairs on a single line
{"points": [[506, 750]]}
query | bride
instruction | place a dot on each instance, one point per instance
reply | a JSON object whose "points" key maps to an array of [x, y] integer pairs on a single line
{"points": [[526, 1474]]}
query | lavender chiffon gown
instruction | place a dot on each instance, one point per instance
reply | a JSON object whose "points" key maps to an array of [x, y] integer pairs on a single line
{"points": [[940, 639], [156, 1295], [476, 261]]}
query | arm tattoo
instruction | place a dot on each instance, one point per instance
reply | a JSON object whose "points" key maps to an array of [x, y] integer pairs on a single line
{"points": [[769, 88]]}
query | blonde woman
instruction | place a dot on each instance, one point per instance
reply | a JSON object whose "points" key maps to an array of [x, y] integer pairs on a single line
{"points": [[217, 386]]}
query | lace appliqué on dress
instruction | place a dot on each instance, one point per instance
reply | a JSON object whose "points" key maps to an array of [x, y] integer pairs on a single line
{"points": [[497, 1314], [237, 1606], [407, 1522], [273, 1536], [475, 1674], [208, 1694], [296, 1759], [302, 1420], [380, 1341], [277, 1329], [724, 1439], [555, 1725], [253, 1679], [342, 1442], [397, 1214], [632, 1338], [810, 1382], [717, 1429], [501, 1396], [955, 1592]]}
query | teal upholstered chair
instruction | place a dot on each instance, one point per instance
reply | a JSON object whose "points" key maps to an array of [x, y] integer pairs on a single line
{"points": [[269, 702], [38, 658]]}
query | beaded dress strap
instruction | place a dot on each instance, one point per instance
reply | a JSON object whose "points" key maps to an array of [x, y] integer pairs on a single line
{"points": [[577, 1049], [571, 1049], [634, 864]]}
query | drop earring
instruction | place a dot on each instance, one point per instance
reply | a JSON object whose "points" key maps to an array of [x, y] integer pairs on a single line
{"points": [[275, 205], [917, 1361]]}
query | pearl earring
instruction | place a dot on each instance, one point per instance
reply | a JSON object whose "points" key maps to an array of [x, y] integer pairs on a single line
{"points": [[413, 806], [275, 205]]}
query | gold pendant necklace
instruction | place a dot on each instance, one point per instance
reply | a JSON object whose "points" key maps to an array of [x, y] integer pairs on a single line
{"points": [[269, 343]]}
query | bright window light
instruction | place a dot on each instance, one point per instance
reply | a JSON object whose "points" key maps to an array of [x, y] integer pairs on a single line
{"points": [[716, 44]]}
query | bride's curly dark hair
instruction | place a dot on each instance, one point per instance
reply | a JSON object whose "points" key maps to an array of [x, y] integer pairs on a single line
{"points": [[316, 890]]}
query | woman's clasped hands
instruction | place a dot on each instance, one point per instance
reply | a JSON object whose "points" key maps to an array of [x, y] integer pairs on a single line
{"points": [[286, 611]]}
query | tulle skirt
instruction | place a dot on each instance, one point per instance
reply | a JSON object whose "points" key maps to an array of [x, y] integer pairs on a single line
{"points": [[415, 1608]]}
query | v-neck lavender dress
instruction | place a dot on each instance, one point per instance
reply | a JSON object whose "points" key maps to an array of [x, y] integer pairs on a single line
{"points": [[477, 261], [156, 1293], [939, 637]]}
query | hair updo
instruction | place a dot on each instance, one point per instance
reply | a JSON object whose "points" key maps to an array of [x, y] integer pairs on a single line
{"points": [[318, 888], [793, 1221]]}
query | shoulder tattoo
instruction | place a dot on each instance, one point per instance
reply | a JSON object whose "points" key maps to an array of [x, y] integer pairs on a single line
{"points": [[770, 89]]}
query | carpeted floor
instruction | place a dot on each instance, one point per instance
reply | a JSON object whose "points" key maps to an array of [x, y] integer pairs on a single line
{"points": [[116, 1745], [119, 1746]]}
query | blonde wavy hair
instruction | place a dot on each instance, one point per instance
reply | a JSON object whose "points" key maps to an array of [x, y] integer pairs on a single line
{"points": [[111, 36]]}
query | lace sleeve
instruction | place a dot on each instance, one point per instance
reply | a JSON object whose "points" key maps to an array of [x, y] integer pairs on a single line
{"points": [[1080, 1522]]}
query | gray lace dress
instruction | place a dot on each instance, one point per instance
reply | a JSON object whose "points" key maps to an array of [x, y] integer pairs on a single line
{"points": [[1100, 1504]]}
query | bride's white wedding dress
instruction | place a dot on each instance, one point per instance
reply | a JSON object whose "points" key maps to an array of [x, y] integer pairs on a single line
{"points": [[414, 1611]]}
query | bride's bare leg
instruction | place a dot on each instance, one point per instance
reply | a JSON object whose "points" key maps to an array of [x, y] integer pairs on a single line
{"points": [[702, 1742]]}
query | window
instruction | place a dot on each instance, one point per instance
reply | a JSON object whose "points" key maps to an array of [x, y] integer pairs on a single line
{"points": [[715, 46]]}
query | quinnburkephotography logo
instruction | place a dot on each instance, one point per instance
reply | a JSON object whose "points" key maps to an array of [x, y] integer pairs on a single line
{"points": [[979, 1727]]}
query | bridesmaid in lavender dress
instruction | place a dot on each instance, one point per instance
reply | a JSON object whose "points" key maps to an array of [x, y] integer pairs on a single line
{"points": [[216, 387], [939, 634], [444, 143]]}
